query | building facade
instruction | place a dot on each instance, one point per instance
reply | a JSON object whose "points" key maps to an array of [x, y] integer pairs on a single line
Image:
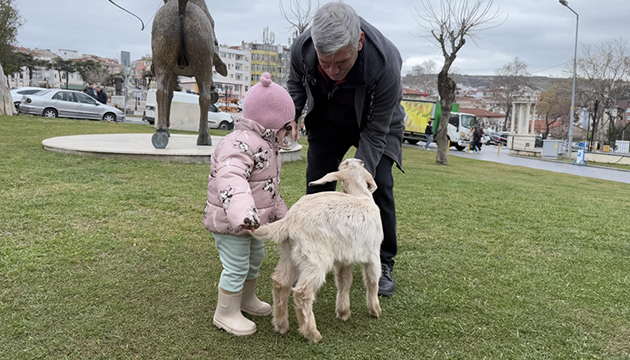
{"points": [[238, 61]]}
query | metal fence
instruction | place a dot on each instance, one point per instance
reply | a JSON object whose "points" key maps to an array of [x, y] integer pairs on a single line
{"points": [[623, 147]]}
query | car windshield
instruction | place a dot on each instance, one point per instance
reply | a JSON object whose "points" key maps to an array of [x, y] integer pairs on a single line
{"points": [[468, 121], [42, 92]]}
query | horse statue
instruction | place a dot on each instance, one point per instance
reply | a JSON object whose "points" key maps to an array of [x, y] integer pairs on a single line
{"points": [[183, 43]]}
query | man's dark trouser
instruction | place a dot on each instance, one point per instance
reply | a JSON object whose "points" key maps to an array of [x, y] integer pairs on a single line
{"points": [[325, 157]]}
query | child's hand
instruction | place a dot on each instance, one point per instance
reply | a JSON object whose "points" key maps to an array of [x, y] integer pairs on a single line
{"points": [[250, 227]]}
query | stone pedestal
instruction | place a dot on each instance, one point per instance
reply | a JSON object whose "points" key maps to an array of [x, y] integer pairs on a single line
{"points": [[522, 142], [292, 154], [118, 101]]}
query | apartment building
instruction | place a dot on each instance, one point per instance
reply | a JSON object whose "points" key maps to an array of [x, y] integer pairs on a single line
{"points": [[239, 65]]}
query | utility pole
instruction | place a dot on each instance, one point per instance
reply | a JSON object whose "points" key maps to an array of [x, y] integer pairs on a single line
{"points": [[125, 58], [577, 20]]}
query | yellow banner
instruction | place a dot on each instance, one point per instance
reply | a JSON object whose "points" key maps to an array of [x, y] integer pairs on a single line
{"points": [[418, 115]]}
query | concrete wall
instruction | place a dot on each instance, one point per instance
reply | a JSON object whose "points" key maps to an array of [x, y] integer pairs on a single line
{"points": [[608, 158], [184, 116]]}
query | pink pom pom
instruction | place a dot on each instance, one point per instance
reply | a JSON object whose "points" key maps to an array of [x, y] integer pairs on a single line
{"points": [[265, 79]]}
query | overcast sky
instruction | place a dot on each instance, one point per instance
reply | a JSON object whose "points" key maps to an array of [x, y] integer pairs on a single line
{"points": [[539, 32]]}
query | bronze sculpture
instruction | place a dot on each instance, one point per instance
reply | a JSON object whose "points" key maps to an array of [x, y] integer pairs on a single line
{"points": [[183, 43]]}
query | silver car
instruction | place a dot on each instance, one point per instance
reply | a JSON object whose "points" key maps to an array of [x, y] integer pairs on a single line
{"points": [[16, 94], [68, 104]]}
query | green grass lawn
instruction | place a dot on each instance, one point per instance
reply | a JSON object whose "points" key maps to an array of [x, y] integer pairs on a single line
{"points": [[108, 259]]}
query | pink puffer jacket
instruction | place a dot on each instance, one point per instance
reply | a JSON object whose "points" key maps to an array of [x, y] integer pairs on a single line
{"points": [[244, 179]]}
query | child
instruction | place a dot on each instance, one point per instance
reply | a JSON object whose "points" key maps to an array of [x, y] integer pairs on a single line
{"points": [[242, 195]]}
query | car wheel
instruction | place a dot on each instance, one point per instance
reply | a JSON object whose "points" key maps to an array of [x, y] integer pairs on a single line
{"points": [[17, 106], [459, 148], [109, 117], [412, 141], [50, 113], [224, 126]]}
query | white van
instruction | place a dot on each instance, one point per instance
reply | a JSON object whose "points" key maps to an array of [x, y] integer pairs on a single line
{"points": [[216, 119]]}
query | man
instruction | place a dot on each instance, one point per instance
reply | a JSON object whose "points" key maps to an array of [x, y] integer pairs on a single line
{"points": [[90, 91], [348, 74], [428, 133], [101, 96]]}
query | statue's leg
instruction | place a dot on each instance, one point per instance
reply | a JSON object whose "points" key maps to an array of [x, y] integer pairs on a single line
{"points": [[166, 84], [205, 88]]}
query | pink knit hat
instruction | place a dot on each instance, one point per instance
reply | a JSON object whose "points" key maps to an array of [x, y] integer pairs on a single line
{"points": [[268, 104]]}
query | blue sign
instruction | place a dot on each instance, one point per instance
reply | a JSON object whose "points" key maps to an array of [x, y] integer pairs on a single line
{"points": [[581, 155]]}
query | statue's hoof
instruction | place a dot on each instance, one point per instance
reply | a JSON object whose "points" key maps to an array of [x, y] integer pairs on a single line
{"points": [[159, 140]]}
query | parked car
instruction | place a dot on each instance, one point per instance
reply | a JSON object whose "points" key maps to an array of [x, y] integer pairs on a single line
{"points": [[216, 119], [498, 138], [16, 94], [68, 104]]}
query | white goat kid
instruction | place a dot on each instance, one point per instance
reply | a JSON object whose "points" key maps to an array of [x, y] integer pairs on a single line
{"points": [[322, 232]]}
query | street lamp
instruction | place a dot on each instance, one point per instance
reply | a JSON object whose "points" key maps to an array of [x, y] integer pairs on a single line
{"points": [[577, 19]]}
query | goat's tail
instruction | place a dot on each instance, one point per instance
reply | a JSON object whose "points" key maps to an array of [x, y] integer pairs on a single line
{"points": [[276, 232]]}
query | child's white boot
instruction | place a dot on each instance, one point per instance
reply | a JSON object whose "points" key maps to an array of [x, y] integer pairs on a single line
{"points": [[250, 302], [228, 315]]}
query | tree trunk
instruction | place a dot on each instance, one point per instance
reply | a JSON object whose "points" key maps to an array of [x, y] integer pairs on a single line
{"points": [[446, 88], [6, 102], [507, 117]]}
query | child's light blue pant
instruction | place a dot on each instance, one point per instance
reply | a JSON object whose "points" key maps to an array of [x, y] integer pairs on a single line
{"points": [[241, 257]]}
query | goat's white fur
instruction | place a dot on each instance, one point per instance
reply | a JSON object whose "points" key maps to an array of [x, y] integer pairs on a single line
{"points": [[322, 232]]}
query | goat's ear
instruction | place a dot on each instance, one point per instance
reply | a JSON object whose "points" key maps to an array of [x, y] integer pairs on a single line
{"points": [[330, 177], [371, 184]]}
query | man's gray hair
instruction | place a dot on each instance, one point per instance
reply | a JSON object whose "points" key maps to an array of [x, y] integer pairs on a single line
{"points": [[335, 25]]}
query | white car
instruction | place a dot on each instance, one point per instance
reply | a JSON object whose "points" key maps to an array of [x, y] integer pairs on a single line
{"points": [[216, 119], [16, 94], [68, 104]]}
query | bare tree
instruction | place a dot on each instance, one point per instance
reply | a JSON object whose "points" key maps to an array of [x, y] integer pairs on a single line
{"points": [[510, 78], [449, 26], [423, 78], [299, 14], [604, 72], [554, 104]]}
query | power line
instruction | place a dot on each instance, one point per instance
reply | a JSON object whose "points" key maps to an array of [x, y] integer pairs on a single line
{"points": [[549, 68]]}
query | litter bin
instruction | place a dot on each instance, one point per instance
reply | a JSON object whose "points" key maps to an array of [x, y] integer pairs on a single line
{"points": [[553, 148]]}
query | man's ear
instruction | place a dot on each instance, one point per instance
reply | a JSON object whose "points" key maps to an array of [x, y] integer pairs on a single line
{"points": [[330, 177], [361, 40]]}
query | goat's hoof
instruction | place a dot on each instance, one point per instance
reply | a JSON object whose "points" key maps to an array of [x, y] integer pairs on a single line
{"points": [[313, 337], [160, 139], [204, 140], [343, 315], [281, 327], [376, 312]]}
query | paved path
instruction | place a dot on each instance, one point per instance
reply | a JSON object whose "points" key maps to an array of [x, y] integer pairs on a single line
{"points": [[490, 153]]}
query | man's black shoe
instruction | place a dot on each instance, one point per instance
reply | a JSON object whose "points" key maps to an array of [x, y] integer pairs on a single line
{"points": [[386, 282]]}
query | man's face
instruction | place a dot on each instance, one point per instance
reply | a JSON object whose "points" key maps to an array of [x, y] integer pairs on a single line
{"points": [[339, 64]]}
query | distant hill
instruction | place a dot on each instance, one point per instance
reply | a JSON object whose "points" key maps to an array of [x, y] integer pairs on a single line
{"points": [[485, 81]]}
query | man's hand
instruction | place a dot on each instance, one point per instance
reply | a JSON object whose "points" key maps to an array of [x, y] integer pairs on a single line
{"points": [[294, 130]]}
